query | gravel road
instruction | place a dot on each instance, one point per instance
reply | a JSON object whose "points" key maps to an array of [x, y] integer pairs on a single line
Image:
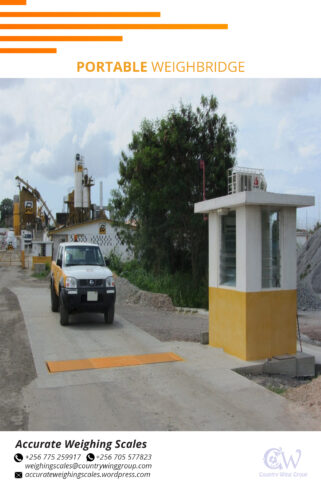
{"points": [[16, 362]]}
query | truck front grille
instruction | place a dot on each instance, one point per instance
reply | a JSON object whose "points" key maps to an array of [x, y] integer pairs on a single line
{"points": [[91, 283]]}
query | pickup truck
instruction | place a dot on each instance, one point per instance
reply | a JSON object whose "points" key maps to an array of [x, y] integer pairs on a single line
{"points": [[80, 281]]}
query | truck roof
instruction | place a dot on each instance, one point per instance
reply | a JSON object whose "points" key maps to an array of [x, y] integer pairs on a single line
{"points": [[78, 243]]}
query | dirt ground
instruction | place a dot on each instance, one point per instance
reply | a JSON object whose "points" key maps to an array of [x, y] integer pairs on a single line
{"points": [[308, 396], [304, 391], [156, 314], [164, 325], [16, 362]]}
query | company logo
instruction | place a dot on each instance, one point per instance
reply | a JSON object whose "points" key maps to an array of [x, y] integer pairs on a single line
{"points": [[280, 463], [275, 458], [91, 282]]}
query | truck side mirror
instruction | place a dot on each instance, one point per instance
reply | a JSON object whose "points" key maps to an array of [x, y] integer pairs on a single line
{"points": [[107, 262], [59, 263]]}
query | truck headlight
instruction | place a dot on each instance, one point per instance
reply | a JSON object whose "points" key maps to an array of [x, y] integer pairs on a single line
{"points": [[71, 283], [110, 282]]}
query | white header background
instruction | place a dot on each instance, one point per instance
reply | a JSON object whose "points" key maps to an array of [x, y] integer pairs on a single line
{"points": [[274, 39]]}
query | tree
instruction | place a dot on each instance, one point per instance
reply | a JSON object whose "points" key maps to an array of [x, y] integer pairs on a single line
{"points": [[6, 210], [160, 180]]}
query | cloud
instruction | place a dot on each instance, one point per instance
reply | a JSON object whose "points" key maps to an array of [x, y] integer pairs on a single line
{"points": [[41, 159], [9, 83], [289, 90], [10, 131], [308, 150], [45, 122]]}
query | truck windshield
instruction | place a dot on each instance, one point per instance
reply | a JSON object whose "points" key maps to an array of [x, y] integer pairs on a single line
{"points": [[83, 255]]}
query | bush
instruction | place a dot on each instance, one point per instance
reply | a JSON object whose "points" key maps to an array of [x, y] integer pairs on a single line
{"points": [[44, 274], [179, 286], [115, 263]]}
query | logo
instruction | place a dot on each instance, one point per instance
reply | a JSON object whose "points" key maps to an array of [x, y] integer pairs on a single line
{"points": [[18, 475], [28, 207], [18, 457], [275, 458], [91, 282], [90, 457], [279, 463]]}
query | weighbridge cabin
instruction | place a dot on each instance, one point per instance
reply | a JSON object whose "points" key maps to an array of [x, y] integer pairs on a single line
{"points": [[252, 272]]}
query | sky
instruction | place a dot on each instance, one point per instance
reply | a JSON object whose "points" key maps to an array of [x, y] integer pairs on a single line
{"points": [[45, 122]]}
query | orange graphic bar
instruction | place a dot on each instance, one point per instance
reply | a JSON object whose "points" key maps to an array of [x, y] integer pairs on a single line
{"points": [[111, 362], [113, 26], [28, 50], [61, 38], [13, 2], [79, 14]]}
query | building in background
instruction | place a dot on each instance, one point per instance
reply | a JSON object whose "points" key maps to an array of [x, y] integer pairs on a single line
{"points": [[98, 231]]}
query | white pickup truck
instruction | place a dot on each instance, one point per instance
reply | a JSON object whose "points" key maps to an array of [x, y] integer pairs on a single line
{"points": [[80, 281]]}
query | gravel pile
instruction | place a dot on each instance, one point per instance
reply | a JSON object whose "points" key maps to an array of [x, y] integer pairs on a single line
{"points": [[309, 274], [309, 396], [130, 294], [307, 300]]}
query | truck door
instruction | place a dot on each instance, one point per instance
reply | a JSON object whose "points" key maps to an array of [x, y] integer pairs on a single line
{"points": [[57, 274]]}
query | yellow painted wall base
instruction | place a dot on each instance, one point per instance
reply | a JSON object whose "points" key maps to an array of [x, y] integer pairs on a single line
{"points": [[41, 260], [253, 326]]}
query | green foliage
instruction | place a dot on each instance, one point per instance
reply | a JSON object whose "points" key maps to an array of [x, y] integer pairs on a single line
{"points": [[160, 180], [115, 263], [315, 227], [6, 210], [42, 275], [179, 286], [277, 389]]}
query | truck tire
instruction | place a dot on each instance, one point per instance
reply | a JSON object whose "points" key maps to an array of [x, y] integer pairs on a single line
{"points": [[109, 314], [64, 315], [54, 298]]}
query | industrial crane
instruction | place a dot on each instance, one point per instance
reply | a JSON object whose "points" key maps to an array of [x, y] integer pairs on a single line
{"points": [[37, 195]]}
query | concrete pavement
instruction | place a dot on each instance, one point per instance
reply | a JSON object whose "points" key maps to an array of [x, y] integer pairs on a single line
{"points": [[200, 393]]}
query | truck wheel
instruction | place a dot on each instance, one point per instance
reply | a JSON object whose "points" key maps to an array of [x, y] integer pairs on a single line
{"points": [[64, 315], [109, 314], [54, 299]]}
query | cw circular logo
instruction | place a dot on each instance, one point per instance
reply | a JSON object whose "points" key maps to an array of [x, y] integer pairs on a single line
{"points": [[272, 458]]}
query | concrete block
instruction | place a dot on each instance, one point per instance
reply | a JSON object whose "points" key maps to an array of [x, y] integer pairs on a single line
{"points": [[39, 268], [204, 338], [305, 365], [297, 365], [281, 365]]}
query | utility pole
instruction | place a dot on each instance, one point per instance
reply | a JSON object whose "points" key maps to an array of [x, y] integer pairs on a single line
{"points": [[202, 166]]}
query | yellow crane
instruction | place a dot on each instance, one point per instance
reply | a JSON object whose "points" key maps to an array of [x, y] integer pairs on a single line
{"points": [[37, 195]]}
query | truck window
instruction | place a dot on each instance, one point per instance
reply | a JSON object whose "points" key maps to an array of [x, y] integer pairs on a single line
{"points": [[59, 254], [83, 255]]}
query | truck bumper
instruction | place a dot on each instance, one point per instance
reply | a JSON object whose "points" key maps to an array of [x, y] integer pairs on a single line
{"points": [[76, 300]]}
